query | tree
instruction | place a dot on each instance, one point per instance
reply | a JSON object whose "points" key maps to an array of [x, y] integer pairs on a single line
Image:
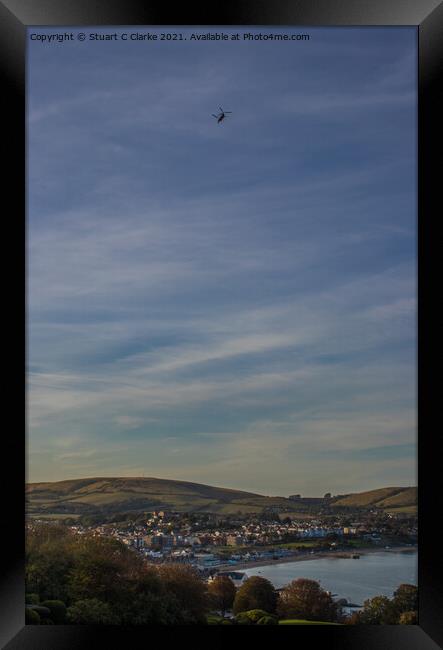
{"points": [[256, 593], [222, 592], [48, 564], [408, 618], [185, 594], [406, 598], [305, 599], [91, 611], [379, 610], [148, 603], [95, 577], [102, 569], [100, 580]]}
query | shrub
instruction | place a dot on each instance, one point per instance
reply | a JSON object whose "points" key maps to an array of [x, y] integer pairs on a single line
{"points": [[57, 610], [267, 620], [31, 617], [43, 612], [243, 619], [255, 617], [256, 614]]}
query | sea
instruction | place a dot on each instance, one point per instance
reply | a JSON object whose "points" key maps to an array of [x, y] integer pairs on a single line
{"points": [[373, 574]]}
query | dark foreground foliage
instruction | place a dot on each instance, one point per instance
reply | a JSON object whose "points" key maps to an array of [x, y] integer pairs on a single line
{"points": [[97, 580], [402, 609]]}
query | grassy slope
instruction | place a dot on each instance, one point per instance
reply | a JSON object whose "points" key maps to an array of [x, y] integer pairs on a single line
{"points": [[144, 494], [407, 497], [384, 497], [125, 494]]}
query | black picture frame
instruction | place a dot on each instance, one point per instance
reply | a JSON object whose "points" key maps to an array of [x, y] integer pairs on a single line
{"points": [[427, 17]]}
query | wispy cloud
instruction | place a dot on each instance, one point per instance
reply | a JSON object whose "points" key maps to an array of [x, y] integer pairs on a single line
{"points": [[227, 303]]}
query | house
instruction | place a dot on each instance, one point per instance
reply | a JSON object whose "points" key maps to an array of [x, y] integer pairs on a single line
{"points": [[237, 577]]}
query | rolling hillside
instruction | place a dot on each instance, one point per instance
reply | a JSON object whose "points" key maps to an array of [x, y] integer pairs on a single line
{"points": [[131, 494], [109, 495], [390, 498]]}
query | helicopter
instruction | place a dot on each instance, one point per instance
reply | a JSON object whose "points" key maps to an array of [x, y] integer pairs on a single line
{"points": [[221, 116]]}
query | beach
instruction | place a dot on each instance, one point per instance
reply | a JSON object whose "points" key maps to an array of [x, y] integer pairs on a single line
{"points": [[303, 557]]}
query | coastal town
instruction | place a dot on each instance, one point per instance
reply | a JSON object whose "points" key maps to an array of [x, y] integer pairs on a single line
{"points": [[214, 544]]}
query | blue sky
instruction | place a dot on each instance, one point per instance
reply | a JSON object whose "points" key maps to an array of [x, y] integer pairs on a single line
{"points": [[230, 304]]}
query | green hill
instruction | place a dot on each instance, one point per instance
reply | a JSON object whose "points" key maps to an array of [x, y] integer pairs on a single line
{"points": [[105, 495]]}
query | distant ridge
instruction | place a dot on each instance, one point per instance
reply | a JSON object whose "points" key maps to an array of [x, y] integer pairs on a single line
{"points": [[107, 495]]}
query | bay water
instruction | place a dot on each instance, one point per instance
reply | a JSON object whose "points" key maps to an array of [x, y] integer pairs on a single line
{"points": [[373, 574]]}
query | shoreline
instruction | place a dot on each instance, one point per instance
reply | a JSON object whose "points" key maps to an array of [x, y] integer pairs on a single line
{"points": [[338, 555]]}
